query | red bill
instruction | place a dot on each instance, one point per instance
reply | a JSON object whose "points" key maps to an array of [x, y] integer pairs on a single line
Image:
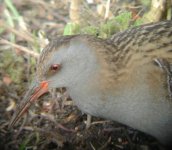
{"points": [[36, 90]]}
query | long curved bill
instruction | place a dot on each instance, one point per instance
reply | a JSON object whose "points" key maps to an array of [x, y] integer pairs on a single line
{"points": [[35, 91]]}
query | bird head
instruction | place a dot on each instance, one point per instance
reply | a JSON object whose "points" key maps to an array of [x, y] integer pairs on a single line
{"points": [[65, 62]]}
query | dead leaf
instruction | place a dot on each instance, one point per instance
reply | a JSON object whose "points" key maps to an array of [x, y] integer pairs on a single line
{"points": [[7, 80], [11, 106]]}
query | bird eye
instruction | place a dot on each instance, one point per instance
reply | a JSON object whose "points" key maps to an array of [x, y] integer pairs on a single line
{"points": [[55, 67]]}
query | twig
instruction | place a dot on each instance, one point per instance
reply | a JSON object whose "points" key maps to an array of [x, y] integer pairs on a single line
{"points": [[100, 122], [21, 48], [92, 146], [23, 34], [21, 127], [107, 9], [88, 122], [105, 144], [64, 128]]}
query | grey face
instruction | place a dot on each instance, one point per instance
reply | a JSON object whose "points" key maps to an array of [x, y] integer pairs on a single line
{"points": [[67, 65]]}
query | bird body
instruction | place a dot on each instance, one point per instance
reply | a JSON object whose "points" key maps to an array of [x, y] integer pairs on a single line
{"points": [[126, 78]]}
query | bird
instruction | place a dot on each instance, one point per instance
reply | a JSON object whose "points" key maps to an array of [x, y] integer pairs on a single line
{"points": [[126, 78]]}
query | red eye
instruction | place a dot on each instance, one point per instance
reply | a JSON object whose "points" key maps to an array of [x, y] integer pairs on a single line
{"points": [[55, 67]]}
